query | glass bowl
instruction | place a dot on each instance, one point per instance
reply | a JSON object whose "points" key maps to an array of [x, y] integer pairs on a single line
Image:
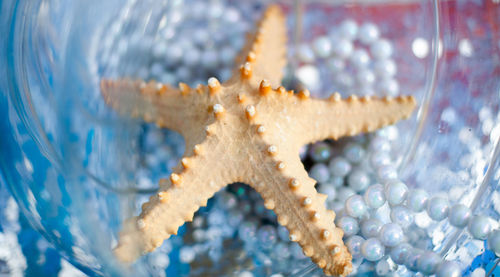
{"points": [[77, 169]]}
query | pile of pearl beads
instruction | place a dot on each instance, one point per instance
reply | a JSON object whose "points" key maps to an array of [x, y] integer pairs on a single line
{"points": [[352, 47]]}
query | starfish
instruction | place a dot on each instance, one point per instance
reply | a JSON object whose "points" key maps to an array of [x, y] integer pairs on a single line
{"points": [[249, 130]]}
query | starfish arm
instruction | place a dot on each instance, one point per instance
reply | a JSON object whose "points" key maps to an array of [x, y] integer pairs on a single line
{"points": [[319, 119], [179, 197], [264, 54], [166, 106], [287, 189]]}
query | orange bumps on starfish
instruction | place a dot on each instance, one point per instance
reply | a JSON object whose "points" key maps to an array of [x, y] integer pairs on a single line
{"points": [[244, 131]]}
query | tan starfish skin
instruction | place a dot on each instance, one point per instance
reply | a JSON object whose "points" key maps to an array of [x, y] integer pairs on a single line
{"points": [[248, 130]]}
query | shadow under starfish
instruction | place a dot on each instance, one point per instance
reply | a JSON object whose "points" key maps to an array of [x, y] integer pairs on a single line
{"points": [[248, 130]]}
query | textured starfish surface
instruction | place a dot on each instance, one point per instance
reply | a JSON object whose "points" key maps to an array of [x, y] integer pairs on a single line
{"points": [[248, 130]]}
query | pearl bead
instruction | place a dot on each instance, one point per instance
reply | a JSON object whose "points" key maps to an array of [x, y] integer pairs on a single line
{"points": [[320, 173], [305, 53], [336, 181], [388, 87], [354, 153], [358, 180], [320, 152], [379, 158], [400, 253], [349, 225], [335, 65], [368, 33], [344, 80], [449, 269], [339, 167], [348, 29], [437, 208], [344, 193], [381, 144], [374, 196], [359, 58], [159, 49], [391, 234], [342, 48], [417, 200], [186, 255], [383, 268], [355, 206], [395, 192], [402, 216], [354, 246], [328, 190], [372, 249], [428, 262], [381, 49], [365, 77], [387, 173], [227, 55], [192, 57], [494, 242], [385, 68], [209, 59], [459, 215], [322, 47], [412, 259], [480, 227], [371, 228]]}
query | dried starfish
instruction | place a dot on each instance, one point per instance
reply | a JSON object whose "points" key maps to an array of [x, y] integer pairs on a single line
{"points": [[246, 131]]}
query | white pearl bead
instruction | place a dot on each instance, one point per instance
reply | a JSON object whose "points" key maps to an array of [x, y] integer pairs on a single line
{"points": [[395, 192], [379, 158], [344, 79], [349, 225], [388, 87], [322, 47], [383, 268], [368, 33], [174, 53], [354, 246], [354, 153], [391, 234], [372, 249], [305, 53], [371, 228], [320, 173], [365, 77], [381, 49], [387, 173], [342, 48], [344, 193], [459, 215], [159, 49], [494, 242], [348, 29], [417, 200], [402, 216], [385, 68], [355, 206], [480, 227], [428, 263], [339, 167], [400, 253], [336, 65], [359, 58], [437, 208], [358, 180], [374, 196], [209, 59], [192, 56]]}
